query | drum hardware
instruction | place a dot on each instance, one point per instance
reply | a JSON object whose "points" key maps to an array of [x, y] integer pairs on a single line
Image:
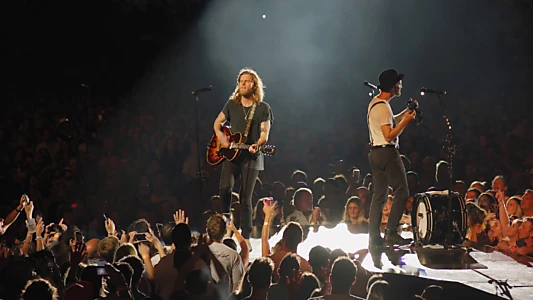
{"points": [[450, 149], [430, 218]]}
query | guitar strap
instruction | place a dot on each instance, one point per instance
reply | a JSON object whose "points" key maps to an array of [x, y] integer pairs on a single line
{"points": [[249, 123]]}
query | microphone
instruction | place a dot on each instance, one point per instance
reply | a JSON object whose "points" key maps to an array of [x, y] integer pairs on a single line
{"points": [[206, 89], [432, 91], [370, 85]]}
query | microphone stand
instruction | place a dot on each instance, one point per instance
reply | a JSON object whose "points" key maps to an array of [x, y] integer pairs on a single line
{"points": [[451, 149], [372, 87], [198, 162], [502, 287]]}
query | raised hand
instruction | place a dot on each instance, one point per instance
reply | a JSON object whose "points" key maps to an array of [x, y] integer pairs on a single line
{"points": [[500, 196], [109, 226], [316, 214], [410, 115], [293, 284], [179, 217], [269, 209], [63, 226], [29, 209], [231, 226], [22, 202], [47, 229], [152, 238], [144, 250], [2, 228], [123, 237], [39, 229], [132, 237], [79, 253]]}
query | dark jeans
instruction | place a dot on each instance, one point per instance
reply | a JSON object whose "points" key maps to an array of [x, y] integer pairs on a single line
{"points": [[230, 171], [387, 170]]}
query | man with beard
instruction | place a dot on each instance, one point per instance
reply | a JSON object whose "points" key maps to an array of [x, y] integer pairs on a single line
{"points": [[245, 104]]}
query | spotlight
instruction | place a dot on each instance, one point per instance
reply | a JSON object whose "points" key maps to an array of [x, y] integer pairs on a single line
{"points": [[264, 16]]}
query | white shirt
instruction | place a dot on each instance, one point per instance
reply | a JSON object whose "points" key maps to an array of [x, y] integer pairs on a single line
{"points": [[230, 261], [299, 217], [156, 258], [381, 114]]}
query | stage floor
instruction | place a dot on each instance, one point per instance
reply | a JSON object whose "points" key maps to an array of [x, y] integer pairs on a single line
{"points": [[446, 265]]}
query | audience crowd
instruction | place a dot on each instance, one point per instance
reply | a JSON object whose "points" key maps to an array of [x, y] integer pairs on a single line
{"points": [[104, 201]]}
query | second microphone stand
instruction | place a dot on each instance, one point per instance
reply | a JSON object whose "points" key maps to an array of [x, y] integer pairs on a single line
{"points": [[198, 162], [450, 149]]}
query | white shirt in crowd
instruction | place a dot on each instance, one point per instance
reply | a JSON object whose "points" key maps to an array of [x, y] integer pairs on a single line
{"points": [[156, 258], [230, 261]]}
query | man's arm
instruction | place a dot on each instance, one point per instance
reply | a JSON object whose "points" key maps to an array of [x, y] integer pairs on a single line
{"points": [[391, 133], [217, 126], [12, 217], [265, 131], [399, 117]]}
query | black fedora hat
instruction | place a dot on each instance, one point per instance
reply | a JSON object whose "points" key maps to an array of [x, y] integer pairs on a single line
{"points": [[389, 78]]}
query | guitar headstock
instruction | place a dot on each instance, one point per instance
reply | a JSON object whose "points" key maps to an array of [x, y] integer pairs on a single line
{"points": [[268, 150]]}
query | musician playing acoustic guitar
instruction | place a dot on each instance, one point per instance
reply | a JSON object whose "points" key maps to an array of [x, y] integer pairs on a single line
{"points": [[245, 108]]}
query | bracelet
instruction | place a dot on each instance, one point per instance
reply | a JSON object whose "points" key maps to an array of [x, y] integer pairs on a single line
{"points": [[38, 238], [265, 224], [19, 211]]}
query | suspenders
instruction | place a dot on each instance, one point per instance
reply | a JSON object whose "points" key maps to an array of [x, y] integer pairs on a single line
{"points": [[368, 123]]}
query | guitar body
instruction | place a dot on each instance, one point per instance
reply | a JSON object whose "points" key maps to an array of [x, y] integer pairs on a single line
{"points": [[216, 154]]}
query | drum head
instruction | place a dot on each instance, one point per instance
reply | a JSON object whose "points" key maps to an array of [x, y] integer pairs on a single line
{"points": [[422, 219]]}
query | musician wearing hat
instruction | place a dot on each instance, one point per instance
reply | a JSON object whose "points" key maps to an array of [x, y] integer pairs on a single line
{"points": [[387, 167]]}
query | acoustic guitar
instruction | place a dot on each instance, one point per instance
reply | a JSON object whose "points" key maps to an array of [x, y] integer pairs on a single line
{"points": [[216, 153]]}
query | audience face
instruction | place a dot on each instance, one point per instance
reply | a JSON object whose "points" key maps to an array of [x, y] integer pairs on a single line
{"points": [[511, 207], [498, 184], [495, 228], [527, 202], [305, 203], [353, 210], [512, 231], [525, 231], [471, 196], [363, 194]]}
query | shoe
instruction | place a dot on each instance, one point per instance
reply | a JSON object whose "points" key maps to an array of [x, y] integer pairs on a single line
{"points": [[393, 238]]}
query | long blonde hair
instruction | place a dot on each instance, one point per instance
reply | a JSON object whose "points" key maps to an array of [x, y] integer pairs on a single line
{"points": [[361, 216], [259, 87]]}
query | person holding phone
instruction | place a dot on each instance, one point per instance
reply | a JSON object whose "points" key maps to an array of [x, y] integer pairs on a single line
{"points": [[229, 259], [13, 215]]}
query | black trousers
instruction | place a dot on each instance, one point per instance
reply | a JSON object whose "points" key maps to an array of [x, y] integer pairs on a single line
{"points": [[387, 170], [230, 172]]}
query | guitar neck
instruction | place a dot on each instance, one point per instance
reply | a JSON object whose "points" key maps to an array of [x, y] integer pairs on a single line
{"points": [[241, 146]]}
